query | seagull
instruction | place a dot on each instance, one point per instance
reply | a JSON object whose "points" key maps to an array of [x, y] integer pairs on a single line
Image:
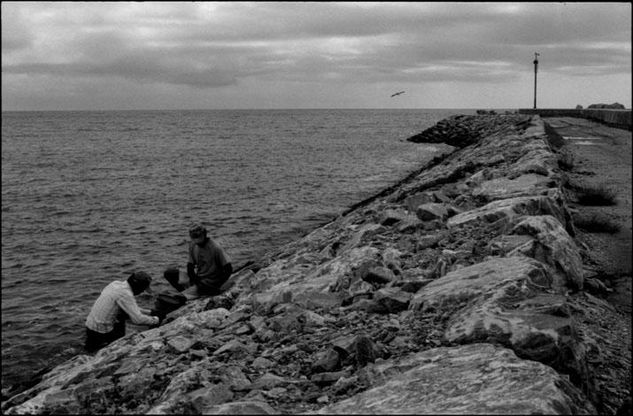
{"points": [[398, 93]]}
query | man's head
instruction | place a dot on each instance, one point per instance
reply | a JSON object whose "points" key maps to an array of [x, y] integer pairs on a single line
{"points": [[139, 282], [198, 234]]}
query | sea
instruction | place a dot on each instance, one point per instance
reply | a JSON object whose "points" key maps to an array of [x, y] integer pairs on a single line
{"points": [[89, 197]]}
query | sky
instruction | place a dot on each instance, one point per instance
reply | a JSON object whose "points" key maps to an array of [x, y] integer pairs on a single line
{"points": [[261, 55]]}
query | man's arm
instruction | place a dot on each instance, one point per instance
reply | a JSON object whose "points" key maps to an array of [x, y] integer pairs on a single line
{"points": [[127, 302]]}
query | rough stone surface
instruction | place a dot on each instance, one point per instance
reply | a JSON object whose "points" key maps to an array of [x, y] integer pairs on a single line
{"points": [[479, 280], [432, 211], [241, 408], [552, 245], [503, 188], [473, 379], [507, 210]]}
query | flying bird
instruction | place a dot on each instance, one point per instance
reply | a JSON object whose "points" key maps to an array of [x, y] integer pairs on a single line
{"points": [[398, 93]]}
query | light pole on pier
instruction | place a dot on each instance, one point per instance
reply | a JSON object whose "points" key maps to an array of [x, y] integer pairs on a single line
{"points": [[536, 54]]}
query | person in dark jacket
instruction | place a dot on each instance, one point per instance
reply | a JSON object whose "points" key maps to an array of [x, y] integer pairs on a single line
{"points": [[208, 267]]}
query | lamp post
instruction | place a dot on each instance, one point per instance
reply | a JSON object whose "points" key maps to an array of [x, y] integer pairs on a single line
{"points": [[536, 54]]}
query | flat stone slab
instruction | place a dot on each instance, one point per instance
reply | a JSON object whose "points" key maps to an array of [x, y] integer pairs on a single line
{"points": [[503, 188], [509, 209], [482, 279], [470, 379]]}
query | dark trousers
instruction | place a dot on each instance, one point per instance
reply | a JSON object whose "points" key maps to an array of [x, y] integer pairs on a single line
{"points": [[96, 340], [195, 288]]}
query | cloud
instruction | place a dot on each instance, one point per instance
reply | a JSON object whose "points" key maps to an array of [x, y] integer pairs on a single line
{"points": [[212, 46], [15, 32]]}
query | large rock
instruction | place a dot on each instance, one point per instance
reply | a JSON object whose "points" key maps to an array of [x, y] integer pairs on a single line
{"points": [[470, 379], [243, 407], [507, 301], [537, 160], [536, 326], [507, 210], [432, 211], [606, 334], [503, 188], [285, 280], [390, 300], [551, 245], [478, 281]]}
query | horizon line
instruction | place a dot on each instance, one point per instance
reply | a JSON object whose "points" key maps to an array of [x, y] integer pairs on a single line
{"points": [[269, 109]]}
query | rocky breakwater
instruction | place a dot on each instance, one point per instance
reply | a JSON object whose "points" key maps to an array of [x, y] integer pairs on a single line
{"points": [[459, 290]]}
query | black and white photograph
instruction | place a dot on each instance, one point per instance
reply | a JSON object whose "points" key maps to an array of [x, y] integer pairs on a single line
{"points": [[316, 207]]}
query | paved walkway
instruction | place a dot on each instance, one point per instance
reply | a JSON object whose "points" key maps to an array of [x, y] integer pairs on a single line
{"points": [[603, 156]]}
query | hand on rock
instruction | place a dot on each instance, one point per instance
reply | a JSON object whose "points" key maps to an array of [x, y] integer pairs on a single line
{"points": [[160, 316]]}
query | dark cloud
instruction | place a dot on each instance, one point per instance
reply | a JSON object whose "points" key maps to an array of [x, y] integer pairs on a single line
{"points": [[142, 68]]}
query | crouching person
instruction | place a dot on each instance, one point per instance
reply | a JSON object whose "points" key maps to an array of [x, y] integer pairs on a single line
{"points": [[208, 267], [116, 303]]}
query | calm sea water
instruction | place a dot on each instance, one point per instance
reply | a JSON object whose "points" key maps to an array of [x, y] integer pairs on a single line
{"points": [[88, 197]]}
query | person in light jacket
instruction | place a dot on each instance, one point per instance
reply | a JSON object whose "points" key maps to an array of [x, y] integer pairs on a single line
{"points": [[116, 303]]}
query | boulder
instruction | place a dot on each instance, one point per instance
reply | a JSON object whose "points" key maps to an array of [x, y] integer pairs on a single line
{"points": [[432, 211], [469, 379], [390, 300], [503, 244], [324, 379], [535, 326], [478, 281], [286, 281], [412, 285], [359, 348], [180, 344], [232, 347], [242, 407], [414, 201], [209, 396], [317, 300], [377, 275], [262, 363], [234, 377], [268, 381], [606, 334], [552, 245], [508, 210], [503, 188], [390, 217], [326, 361], [536, 158], [429, 241], [507, 301], [410, 225]]}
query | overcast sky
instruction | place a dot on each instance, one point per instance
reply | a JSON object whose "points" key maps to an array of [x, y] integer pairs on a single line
{"points": [[207, 55]]}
